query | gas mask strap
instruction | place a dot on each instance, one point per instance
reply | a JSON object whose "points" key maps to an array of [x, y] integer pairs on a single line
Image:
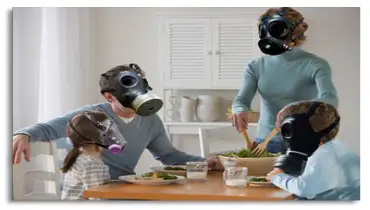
{"points": [[138, 70], [312, 109], [135, 67], [100, 145], [299, 22], [331, 127], [101, 127], [84, 137], [296, 152], [298, 36], [93, 121], [282, 12], [295, 25]]}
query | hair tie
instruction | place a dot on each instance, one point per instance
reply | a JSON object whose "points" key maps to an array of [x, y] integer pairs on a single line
{"points": [[281, 13]]}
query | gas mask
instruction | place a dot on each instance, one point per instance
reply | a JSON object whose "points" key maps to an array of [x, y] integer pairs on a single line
{"points": [[110, 137], [131, 90], [275, 33], [301, 141]]}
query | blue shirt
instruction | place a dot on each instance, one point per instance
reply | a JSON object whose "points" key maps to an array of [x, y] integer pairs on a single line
{"points": [[331, 173], [142, 133], [283, 79]]}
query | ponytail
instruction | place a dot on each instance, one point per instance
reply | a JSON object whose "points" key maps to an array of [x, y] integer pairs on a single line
{"points": [[70, 159]]}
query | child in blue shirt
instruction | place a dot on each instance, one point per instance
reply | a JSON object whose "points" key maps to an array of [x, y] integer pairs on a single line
{"points": [[332, 172]]}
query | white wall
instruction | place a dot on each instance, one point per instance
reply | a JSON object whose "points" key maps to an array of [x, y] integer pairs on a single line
{"points": [[25, 49], [130, 35]]}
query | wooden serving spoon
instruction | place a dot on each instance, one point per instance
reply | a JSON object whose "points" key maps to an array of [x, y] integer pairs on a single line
{"points": [[249, 142], [262, 146], [245, 134]]}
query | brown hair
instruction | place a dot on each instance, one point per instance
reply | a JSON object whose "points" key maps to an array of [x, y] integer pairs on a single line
{"points": [[324, 115], [86, 128], [294, 16]]}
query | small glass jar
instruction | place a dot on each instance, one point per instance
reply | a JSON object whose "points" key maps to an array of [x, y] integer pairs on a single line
{"points": [[197, 170], [229, 163], [236, 177]]}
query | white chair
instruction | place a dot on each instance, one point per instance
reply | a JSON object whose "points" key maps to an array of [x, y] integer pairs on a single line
{"points": [[226, 137], [40, 178]]}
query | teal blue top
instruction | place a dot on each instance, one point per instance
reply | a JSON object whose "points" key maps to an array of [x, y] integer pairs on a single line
{"points": [[283, 79]]}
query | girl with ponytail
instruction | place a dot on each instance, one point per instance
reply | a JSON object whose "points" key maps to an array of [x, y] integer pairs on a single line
{"points": [[82, 166]]}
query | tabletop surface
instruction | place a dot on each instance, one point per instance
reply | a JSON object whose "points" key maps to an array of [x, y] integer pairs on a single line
{"points": [[211, 189]]}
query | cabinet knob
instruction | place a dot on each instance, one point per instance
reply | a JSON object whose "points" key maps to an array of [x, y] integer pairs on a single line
{"points": [[218, 52], [209, 53]]}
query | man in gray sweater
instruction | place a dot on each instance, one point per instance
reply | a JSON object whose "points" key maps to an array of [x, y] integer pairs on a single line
{"points": [[140, 132]]}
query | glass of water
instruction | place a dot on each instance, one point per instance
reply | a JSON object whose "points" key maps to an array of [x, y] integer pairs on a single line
{"points": [[197, 170], [236, 177]]}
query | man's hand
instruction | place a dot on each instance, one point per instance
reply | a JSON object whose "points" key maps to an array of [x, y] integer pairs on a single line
{"points": [[273, 173], [20, 145], [215, 163]]}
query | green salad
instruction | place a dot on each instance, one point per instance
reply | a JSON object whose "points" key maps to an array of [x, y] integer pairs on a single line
{"points": [[163, 176], [174, 168], [258, 179], [245, 153]]}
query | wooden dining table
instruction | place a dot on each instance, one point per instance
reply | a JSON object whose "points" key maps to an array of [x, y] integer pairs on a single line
{"points": [[210, 190]]}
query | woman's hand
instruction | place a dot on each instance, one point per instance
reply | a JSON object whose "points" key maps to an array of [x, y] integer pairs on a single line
{"points": [[240, 121]]}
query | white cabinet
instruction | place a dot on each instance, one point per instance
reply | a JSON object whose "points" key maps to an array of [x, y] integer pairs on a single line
{"points": [[234, 43], [186, 53], [206, 53]]}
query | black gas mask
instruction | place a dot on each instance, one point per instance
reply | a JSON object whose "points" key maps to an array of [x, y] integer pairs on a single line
{"points": [[131, 90], [300, 140], [275, 33], [110, 137]]}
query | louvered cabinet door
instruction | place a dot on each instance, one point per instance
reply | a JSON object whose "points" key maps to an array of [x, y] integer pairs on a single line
{"points": [[235, 43], [186, 50]]}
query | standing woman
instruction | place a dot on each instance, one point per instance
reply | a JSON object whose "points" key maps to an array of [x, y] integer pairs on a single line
{"points": [[284, 75]]}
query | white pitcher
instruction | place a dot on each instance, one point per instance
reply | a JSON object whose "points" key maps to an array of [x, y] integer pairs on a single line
{"points": [[188, 107], [209, 108]]}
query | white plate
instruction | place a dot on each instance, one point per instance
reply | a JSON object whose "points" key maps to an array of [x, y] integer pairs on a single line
{"points": [[160, 169], [261, 184], [155, 182]]}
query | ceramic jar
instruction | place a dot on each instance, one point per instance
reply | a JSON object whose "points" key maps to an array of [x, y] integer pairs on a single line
{"points": [[188, 108], [208, 108]]}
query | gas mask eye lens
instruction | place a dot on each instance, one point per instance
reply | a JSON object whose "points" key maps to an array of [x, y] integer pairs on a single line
{"points": [[287, 130], [128, 81], [278, 29], [130, 88]]}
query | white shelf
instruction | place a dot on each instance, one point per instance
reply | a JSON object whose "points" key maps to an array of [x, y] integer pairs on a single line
{"points": [[202, 124], [192, 127]]}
